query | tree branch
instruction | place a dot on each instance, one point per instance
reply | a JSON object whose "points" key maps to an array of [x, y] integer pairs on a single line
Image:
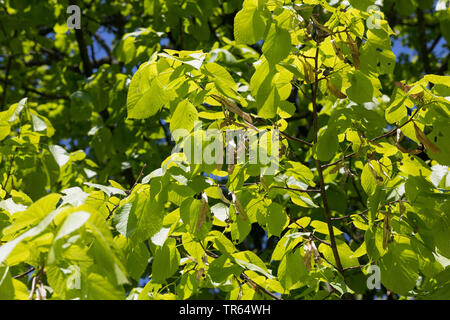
{"points": [[309, 144], [103, 44], [128, 192], [435, 42], [87, 68], [319, 170], [5, 84], [46, 95], [423, 41], [24, 274]]}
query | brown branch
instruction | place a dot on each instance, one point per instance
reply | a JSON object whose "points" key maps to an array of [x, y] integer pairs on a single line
{"points": [[367, 210], [257, 287], [103, 44], [45, 95], [5, 84], [423, 41], [295, 189], [354, 267], [87, 68], [362, 213], [24, 274], [312, 234], [141, 173], [128, 192], [309, 144], [393, 131], [324, 166], [320, 173], [435, 42], [385, 135]]}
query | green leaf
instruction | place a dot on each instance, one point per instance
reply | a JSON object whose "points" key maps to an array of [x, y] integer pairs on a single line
{"points": [[184, 116], [146, 216], [222, 79], [6, 284], [166, 261], [109, 191], [8, 247], [125, 219], [99, 288], [291, 269], [361, 4], [327, 144], [403, 260], [250, 23], [146, 95], [250, 261], [137, 257], [222, 242], [72, 223], [277, 44], [361, 88], [276, 219], [322, 227], [34, 214], [346, 255], [286, 109]]}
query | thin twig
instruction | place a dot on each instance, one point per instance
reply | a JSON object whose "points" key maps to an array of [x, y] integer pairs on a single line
{"points": [[312, 234], [103, 44], [128, 192], [298, 190], [257, 287], [309, 144], [385, 135], [24, 274], [354, 267], [362, 213], [138, 178], [46, 95]]}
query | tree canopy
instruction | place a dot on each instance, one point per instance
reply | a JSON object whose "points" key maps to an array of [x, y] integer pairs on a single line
{"points": [[346, 103]]}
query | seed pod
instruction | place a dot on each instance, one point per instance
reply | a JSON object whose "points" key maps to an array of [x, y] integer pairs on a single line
{"points": [[233, 107], [353, 50], [401, 209], [41, 293], [308, 70], [337, 50], [320, 26], [387, 229], [264, 183], [202, 213], [200, 273], [337, 167], [422, 137], [310, 253], [307, 257], [338, 94], [378, 179], [239, 208], [382, 171]]}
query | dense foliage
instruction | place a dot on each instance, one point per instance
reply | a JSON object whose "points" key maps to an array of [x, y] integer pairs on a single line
{"points": [[100, 200]]}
